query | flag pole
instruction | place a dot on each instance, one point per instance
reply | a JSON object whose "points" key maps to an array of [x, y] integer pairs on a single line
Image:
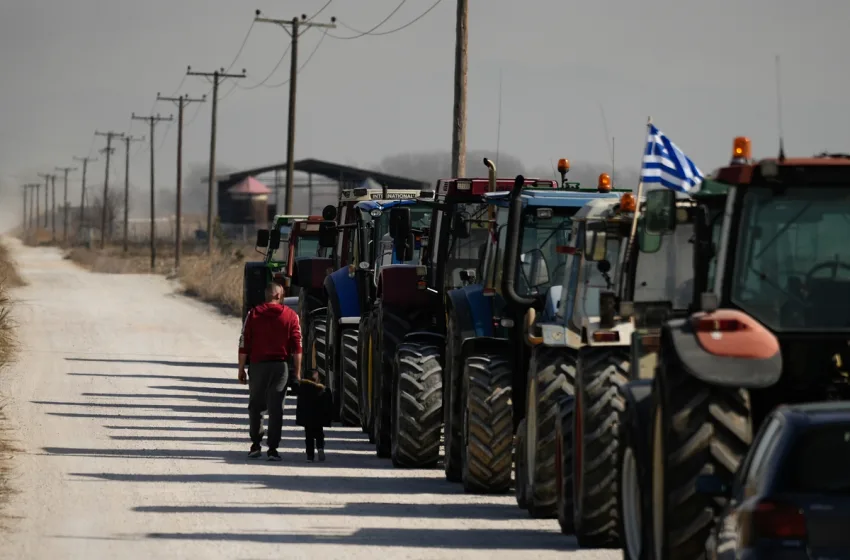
{"points": [[633, 233], [639, 191]]}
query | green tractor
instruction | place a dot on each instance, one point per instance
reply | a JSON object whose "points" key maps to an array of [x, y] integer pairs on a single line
{"points": [[769, 325]]}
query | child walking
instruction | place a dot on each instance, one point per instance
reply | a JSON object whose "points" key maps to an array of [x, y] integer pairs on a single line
{"points": [[314, 412]]}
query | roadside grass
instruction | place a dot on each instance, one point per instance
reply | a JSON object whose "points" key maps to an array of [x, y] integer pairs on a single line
{"points": [[216, 280], [9, 278]]}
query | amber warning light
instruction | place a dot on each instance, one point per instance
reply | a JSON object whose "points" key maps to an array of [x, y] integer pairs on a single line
{"points": [[563, 165], [741, 148], [604, 183], [627, 202]]}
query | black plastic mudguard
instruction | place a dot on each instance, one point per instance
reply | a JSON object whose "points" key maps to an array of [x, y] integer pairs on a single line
{"points": [[678, 335]]}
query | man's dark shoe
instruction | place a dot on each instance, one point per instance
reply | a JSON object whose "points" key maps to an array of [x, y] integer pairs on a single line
{"points": [[273, 455], [255, 451], [321, 455]]}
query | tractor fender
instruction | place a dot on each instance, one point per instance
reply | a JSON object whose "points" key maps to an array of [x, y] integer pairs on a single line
{"points": [[397, 287], [318, 312], [342, 294], [425, 336], [748, 357], [472, 310], [486, 345], [310, 272]]}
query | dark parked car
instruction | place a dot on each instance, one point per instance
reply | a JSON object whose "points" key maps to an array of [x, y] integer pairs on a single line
{"points": [[791, 497]]}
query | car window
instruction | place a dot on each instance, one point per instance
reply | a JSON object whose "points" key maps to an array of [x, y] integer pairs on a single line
{"points": [[819, 461], [765, 444]]}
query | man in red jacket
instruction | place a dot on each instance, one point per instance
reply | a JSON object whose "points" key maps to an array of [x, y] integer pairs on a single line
{"points": [[270, 335]]}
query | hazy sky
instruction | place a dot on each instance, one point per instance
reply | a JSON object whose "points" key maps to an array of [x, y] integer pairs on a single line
{"points": [[703, 70]]}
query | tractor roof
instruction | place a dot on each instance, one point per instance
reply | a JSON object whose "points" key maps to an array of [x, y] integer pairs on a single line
{"points": [[598, 208], [819, 169], [369, 205], [350, 195], [555, 198]]}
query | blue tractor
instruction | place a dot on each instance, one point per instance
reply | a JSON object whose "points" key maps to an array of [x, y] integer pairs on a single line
{"points": [[334, 323]]}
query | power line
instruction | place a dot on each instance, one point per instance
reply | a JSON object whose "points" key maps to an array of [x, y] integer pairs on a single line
{"points": [[272, 73], [241, 47], [383, 21], [379, 34], [194, 116], [322, 9], [306, 62]]}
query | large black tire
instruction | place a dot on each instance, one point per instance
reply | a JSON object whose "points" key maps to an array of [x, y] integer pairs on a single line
{"points": [[600, 373], [697, 428], [453, 403], [364, 358], [488, 424], [520, 478], [633, 467], [349, 406], [306, 304], [564, 463], [332, 374], [389, 328], [318, 346], [552, 375], [417, 405]]}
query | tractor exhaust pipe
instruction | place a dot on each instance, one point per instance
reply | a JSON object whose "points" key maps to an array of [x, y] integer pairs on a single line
{"points": [[512, 250], [491, 175]]}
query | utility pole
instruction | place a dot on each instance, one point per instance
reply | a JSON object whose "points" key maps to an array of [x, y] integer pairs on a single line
{"points": [[65, 170], [293, 82], [37, 204], [153, 120], [46, 178], [24, 215], [33, 199], [53, 206], [217, 77], [461, 70], [108, 150], [182, 102], [127, 141], [85, 161]]}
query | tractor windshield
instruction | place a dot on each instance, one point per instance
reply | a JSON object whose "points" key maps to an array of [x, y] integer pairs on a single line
{"points": [[668, 273], [792, 265], [420, 218], [546, 233], [467, 253], [305, 246]]}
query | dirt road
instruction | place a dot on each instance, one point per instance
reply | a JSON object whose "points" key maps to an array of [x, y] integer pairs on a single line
{"points": [[133, 430]]}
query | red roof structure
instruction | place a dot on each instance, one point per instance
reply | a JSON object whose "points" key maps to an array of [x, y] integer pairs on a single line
{"points": [[250, 187]]}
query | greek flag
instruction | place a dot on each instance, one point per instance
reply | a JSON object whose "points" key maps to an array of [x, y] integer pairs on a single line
{"points": [[665, 164]]}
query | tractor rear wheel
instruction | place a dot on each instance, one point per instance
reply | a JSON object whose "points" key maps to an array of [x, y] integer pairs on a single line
{"points": [[452, 392], [306, 304], [632, 461], [600, 373], [488, 425], [564, 463], [365, 380], [417, 403], [388, 329], [349, 409], [553, 373], [520, 478], [319, 346], [696, 428]]}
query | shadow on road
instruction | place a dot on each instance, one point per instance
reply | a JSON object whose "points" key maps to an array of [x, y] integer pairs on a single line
{"points": [[157, 362], [184, 378], [354, 509], [468, 539]]}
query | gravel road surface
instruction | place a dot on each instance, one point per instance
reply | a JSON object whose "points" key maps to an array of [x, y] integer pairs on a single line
{"points": [[133, 432]]}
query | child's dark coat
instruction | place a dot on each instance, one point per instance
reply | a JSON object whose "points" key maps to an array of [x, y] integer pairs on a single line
{"points": [[315, 405]]}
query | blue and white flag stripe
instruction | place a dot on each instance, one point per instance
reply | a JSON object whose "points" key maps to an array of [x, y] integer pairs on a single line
{"points": [[665, 164]]}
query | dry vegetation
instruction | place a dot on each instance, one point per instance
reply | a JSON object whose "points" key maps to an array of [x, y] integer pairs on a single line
{"points": [[216, 280], [9, 278]]}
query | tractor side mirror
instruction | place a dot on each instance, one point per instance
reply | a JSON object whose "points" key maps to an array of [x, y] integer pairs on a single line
{"points": [[262, 238], [327, 234], [400, 224], [329, 213], [595, 238], [274, 239], [461, 228], [660, 211]]}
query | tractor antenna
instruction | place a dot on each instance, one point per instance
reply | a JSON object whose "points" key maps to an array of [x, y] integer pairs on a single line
{"points": [[499, 125], [605, 129], [779, 113], [613, 184]]}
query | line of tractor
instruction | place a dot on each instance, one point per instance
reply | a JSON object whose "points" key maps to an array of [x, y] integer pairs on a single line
{"points": [[594, 349]]}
